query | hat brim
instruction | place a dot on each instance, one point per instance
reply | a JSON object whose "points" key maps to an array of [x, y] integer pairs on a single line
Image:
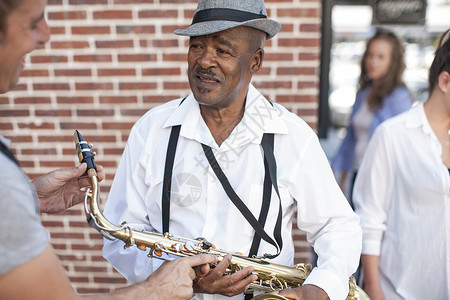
{"points": [[270, 27]]}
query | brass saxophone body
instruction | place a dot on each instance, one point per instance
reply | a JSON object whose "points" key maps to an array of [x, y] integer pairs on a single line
{"points": [[271, 277]]}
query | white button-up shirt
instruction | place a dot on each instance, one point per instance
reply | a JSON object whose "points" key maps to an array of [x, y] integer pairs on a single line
{"points": [[402, 195], [200, 206]]}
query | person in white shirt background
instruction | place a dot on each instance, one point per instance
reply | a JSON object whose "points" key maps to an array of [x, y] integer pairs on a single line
{"points": [[402, 195], [227, 118]]}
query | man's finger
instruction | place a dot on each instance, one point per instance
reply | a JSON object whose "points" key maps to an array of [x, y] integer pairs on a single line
{"points": [[202, 270], [201, 259]]}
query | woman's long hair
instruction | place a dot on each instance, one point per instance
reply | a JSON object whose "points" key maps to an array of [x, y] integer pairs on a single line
{"points": [[393, 77]]}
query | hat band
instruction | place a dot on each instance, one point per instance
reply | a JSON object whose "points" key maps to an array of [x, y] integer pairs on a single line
{"points": [[224, 14]]}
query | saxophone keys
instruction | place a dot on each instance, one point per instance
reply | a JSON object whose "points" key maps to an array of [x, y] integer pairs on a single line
{"points": [[142, 247]]}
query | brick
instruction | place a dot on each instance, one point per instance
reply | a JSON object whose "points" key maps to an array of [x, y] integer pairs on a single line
{"points": [[93, 86], [117, 125], [158, 13], [34, 126], [34, 73], [5, 126], [90, 30], [116, 72], [125, 29], [74, 100], [32, 100], [14, 113], [298, 13], [57, 30], [169, 43], [160, 71], [114, 44], [45, 59], [112, 14], [66, 15], [137, 57], [78, 125], [297, 71], [69, 45], [73, 72], [137, 85], [93, 58], [181, 57], [176, 85], [53, 113], [305, 42]]}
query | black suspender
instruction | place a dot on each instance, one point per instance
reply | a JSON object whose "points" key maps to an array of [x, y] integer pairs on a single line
{"points": [[269, 181], [8, 152], [167, 182]]}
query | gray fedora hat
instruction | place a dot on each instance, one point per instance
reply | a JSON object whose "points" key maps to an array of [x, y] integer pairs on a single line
{"points": [[216, 15]]}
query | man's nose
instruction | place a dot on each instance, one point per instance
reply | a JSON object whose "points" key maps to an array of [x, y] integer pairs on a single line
{"points": [[43, 32], [207, 58]]}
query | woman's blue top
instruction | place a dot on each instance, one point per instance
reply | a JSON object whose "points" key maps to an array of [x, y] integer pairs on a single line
{"points": [[398, 101]]}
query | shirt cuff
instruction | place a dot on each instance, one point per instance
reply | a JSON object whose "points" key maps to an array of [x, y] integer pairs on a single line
{"points": [[329, 282], [371, 247]]}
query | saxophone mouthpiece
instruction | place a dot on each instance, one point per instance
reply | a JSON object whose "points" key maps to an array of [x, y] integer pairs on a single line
{"points": [[83, 150]]}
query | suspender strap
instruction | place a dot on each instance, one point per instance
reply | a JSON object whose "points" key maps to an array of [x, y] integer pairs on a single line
{"points": [[8, 153], [167, 181], [267, 195], [259, 230], [267, 145]]}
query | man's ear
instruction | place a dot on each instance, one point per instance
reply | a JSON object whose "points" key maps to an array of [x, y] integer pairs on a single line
{"points": [[444, 82], [257, 60]]}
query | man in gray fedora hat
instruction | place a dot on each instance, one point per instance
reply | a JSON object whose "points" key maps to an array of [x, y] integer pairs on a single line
{"points": [[227, 165]]}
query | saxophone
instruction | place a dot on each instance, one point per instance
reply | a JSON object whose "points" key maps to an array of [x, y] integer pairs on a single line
{"points": [[271, 277]]}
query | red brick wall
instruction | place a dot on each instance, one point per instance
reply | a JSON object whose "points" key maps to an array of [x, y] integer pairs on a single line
{"points": [[107, 63]]}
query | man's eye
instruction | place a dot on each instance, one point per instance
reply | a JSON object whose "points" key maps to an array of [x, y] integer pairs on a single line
{"points": [[194, 46], [222, 51]]}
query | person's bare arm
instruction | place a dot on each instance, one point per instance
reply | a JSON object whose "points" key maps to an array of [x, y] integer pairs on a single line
{"points": [[63, 188], [44, 278], [371, 282]]}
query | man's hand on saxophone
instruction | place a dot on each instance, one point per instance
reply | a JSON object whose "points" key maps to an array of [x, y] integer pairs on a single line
{"points": [[214, 282], [63, 188], [173, 280]]}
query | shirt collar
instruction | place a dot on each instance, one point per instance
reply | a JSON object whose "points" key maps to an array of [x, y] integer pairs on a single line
{"points": [[260, 117], [416, 118]]}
